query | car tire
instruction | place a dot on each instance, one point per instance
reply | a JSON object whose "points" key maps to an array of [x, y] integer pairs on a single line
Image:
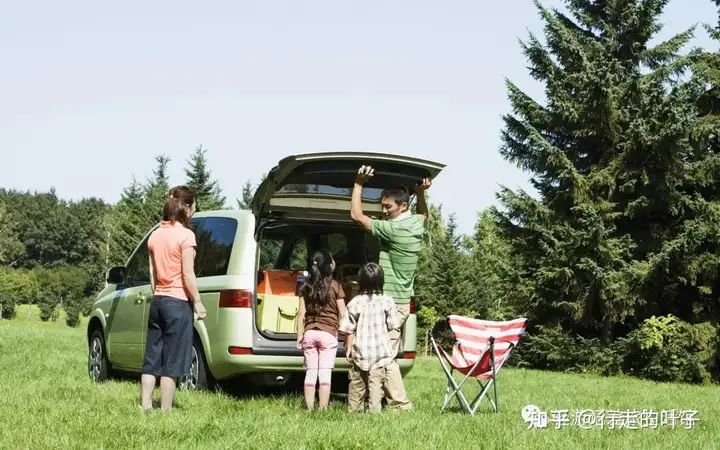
{"points": [[199, 377], [99, 368]]}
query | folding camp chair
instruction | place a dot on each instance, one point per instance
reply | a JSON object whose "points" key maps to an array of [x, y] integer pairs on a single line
{"points": [[481, 348]]}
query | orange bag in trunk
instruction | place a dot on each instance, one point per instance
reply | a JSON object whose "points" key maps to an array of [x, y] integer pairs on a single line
{"points": [[278, 282]]}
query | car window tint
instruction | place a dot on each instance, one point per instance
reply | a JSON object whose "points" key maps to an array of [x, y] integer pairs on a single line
{"points": [[214, 237], [138, 268]]}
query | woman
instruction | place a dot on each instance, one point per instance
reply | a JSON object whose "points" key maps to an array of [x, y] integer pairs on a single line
{"points": [[172, 276]]}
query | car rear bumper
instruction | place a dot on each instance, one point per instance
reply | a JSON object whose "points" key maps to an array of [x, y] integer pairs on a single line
{"points": [[235, 365]]}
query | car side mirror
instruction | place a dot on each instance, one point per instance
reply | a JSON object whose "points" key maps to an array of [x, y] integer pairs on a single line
{"points": [[117, 275]]}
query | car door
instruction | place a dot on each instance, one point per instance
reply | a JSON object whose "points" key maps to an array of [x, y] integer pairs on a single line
{"points": [[319, 185], [128, 321]]}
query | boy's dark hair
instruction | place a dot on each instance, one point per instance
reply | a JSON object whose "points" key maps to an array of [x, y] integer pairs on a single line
{"points": [[315, 290], [178, 198], [399, 193], [371, 279]]}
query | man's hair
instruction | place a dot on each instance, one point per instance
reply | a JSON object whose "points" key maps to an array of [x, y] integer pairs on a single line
{"points": [[399, 194]]}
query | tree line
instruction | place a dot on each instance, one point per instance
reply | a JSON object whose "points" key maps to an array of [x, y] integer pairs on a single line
{"points": [[55, 253]]}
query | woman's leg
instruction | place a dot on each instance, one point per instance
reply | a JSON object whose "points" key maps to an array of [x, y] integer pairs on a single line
{"points": [[177, 318], [167, 393], [147, 384], [152, 364]]}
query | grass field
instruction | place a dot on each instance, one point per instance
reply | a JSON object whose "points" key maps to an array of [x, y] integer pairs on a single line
{"points": [[47, 401]]}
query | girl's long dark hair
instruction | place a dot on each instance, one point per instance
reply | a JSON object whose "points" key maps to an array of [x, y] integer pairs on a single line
{"points": [[315, 290]]}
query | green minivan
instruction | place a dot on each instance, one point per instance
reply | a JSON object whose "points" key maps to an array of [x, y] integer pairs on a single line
{"points": [[248, 264]]}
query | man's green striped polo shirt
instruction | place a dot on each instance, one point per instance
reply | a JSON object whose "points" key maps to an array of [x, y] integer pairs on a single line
{"points": [[400, 242]]}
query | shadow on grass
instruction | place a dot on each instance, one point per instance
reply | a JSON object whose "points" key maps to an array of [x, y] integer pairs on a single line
{"points": [[245, 387]]}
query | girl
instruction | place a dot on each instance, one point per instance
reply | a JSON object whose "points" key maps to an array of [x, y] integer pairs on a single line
{"points": [[322, 304], [172, 278], [370, 316]]}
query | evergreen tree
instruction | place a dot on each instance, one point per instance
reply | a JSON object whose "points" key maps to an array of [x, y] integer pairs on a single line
{"points": [[207, 190], [685, 274], [605, 152], [490, 271], [248, 191], [127, 224], [156, 191], [442, 281]]}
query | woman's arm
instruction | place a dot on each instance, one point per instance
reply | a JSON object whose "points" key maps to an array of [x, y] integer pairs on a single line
{"points": [[190, 281], [152, 273]]}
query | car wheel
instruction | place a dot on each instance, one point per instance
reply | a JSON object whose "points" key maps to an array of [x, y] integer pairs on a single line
{"points": [[98, 364], [198, 378]]}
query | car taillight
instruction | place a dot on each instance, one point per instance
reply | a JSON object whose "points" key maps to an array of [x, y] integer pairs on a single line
{"points": [[239, 350], [413, 306], [236, 299], [408, 355]]}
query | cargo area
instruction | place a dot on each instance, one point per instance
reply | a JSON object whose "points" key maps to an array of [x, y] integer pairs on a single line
{"points": [[283, 252]]}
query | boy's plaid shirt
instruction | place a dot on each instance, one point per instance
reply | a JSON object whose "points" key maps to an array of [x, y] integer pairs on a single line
{"points": [[370, 318]]}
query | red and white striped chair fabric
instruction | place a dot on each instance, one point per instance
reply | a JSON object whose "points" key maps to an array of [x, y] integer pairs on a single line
{"points": [[473, 339], [480, 350]]}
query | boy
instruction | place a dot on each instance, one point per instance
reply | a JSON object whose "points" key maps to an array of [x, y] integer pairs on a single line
{"points": [[400, 237], [370, 317]]}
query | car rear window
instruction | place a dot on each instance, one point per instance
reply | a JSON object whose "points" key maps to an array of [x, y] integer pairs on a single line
{"points": [[368, 193], [215, 237]]}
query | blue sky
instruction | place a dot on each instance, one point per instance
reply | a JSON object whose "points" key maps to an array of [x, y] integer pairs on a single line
{"points": [[93, 91]]}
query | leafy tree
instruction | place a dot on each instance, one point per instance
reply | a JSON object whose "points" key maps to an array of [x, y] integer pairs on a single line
{"points": [[11, 249], [17, 286], [59, 287]]}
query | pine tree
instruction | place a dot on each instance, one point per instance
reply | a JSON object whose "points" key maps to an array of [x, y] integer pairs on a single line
{"points": [[156, 191], [209, 195], [605, 154], [127, 224], [248, 191], [442, 283], [685, 274], [490, 271]]}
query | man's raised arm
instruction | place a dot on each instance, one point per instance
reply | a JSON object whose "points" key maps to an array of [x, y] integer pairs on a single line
{"points": [[422, 207], [356, 211]]}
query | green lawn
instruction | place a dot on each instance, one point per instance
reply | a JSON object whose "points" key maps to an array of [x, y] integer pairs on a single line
{"points": [[48, 401]]}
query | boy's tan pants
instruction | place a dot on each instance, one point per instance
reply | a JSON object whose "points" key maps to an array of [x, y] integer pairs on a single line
{"points": [[364, 383]]}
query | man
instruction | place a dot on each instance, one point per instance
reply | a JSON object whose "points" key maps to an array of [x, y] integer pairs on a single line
{"points": [[400, 237]]}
